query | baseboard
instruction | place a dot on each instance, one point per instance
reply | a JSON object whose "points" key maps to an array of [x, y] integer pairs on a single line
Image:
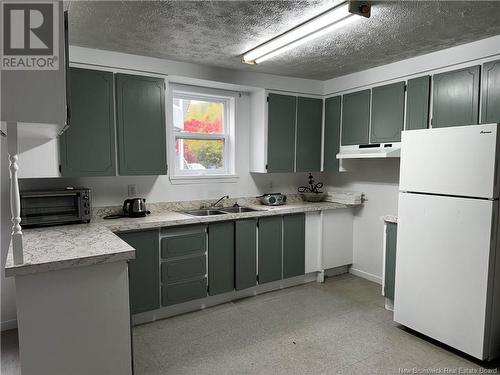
{"points": [[8, 324], [209, 301], [366, 275]]}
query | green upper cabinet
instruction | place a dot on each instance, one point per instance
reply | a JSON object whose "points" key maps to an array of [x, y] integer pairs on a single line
{"points": [[246, 253], [270, 249], [456, 98], [417, 103], [220, 257], [387, 117], [281, 133], [332, 133], [140, 108], [356, 118], [309, 124], [294, 243], [144, 285], [88, 145], [491, 93]]}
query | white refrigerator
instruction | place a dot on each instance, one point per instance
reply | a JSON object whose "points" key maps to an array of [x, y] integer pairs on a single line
{"points": [[448, 247]]}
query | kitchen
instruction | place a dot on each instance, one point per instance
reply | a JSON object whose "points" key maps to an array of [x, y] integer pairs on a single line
{"points": [[309, 287]]}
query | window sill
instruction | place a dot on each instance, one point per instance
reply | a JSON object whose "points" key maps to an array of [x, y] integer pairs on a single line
{"points": [[204, 179]]}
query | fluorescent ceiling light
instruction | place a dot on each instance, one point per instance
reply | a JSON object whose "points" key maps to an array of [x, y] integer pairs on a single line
{"points": [[331, 20]]}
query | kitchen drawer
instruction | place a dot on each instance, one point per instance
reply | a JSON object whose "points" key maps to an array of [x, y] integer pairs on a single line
{"points": [[184, 244], [183, 292], [182, 269]]}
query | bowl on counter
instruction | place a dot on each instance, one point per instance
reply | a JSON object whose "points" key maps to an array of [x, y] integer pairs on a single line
{"points": [[313, 197]]}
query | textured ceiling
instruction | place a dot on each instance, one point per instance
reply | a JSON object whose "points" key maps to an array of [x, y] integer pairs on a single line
{"points": [[217, 32]]}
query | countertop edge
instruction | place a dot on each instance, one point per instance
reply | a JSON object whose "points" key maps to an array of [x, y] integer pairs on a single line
{"points": [[30, 269]]}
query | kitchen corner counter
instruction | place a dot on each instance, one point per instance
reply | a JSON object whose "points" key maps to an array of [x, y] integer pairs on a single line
{"points": [[174, 218], [71, 246], [68, 246]]}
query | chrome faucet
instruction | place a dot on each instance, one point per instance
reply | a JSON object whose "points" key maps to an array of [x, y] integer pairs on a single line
{"points": [[213, 205]]}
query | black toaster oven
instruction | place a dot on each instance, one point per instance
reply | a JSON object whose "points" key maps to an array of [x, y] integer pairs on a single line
{"points": [[55, 207]]}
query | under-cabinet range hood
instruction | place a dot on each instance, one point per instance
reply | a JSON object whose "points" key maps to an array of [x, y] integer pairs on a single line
{"points": [[378, 150]]}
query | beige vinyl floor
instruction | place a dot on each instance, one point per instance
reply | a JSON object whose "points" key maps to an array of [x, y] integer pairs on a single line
{"points": [[339, 327]]}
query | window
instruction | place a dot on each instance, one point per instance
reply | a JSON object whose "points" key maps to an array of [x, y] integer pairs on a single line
{"points": [[202, 132]]}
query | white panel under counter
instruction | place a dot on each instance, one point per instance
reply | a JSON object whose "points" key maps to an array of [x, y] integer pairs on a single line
{"points": [[73, 301]]}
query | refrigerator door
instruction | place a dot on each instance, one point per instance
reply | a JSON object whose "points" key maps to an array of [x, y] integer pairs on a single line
{"points": [[459, 161], [442, 269]]}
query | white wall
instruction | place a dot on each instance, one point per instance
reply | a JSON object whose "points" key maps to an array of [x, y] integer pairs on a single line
{"points": [[379, 179]]}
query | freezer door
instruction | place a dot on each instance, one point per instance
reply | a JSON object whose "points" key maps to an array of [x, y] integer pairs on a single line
{"points": [[458, 161], [442, 268]]}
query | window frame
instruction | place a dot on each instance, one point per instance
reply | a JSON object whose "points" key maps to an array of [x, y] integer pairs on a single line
{"points": [[228, 99]]}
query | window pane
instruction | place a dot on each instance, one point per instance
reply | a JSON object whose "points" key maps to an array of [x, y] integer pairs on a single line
{"points": [[199, 154], [198, 116]]}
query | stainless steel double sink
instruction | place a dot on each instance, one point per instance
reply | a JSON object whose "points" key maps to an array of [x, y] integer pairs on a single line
{"points": [[218, 211]]}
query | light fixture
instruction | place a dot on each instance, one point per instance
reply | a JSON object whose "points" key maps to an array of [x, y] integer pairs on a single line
{"points": [[326, 22]]}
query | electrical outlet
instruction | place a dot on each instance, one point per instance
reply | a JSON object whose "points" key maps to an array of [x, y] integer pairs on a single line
{"points": [[131, 190]]}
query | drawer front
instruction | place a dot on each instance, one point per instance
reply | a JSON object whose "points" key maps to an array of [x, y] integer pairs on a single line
{"points": [[183, 269], [183, 292], [181, 245]]}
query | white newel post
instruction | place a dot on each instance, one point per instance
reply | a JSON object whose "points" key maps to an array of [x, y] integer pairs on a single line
{"points": [[15, 201]]}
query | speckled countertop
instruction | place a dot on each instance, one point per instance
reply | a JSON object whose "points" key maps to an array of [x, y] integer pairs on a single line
{"points": [[67, 246], [175, 218]]}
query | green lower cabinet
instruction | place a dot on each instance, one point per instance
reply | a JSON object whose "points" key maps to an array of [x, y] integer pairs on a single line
{"points": [[270, 249], [294, 242], [183, 291], [181, 269], [144, 283], [220, 257], [246, 253], [183, 244], [391, 233]]}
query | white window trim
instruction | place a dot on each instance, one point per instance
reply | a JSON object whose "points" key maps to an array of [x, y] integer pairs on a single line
{"points": [[228, 173]]}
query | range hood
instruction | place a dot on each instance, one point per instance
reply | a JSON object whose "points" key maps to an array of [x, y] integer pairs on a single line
{"points": [[378, 150]]}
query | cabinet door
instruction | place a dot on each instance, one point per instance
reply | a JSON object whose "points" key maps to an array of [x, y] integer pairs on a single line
{"points": [[417, 103], [246, 253], [309, 122], [332, 133], [281, 133], [140, 108], [144, 285], [270, 249], [456, 98], [220, 257], [355, 118], [88, 145], [491, 93], [390, 259], [294, 242], [387, 113]]}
